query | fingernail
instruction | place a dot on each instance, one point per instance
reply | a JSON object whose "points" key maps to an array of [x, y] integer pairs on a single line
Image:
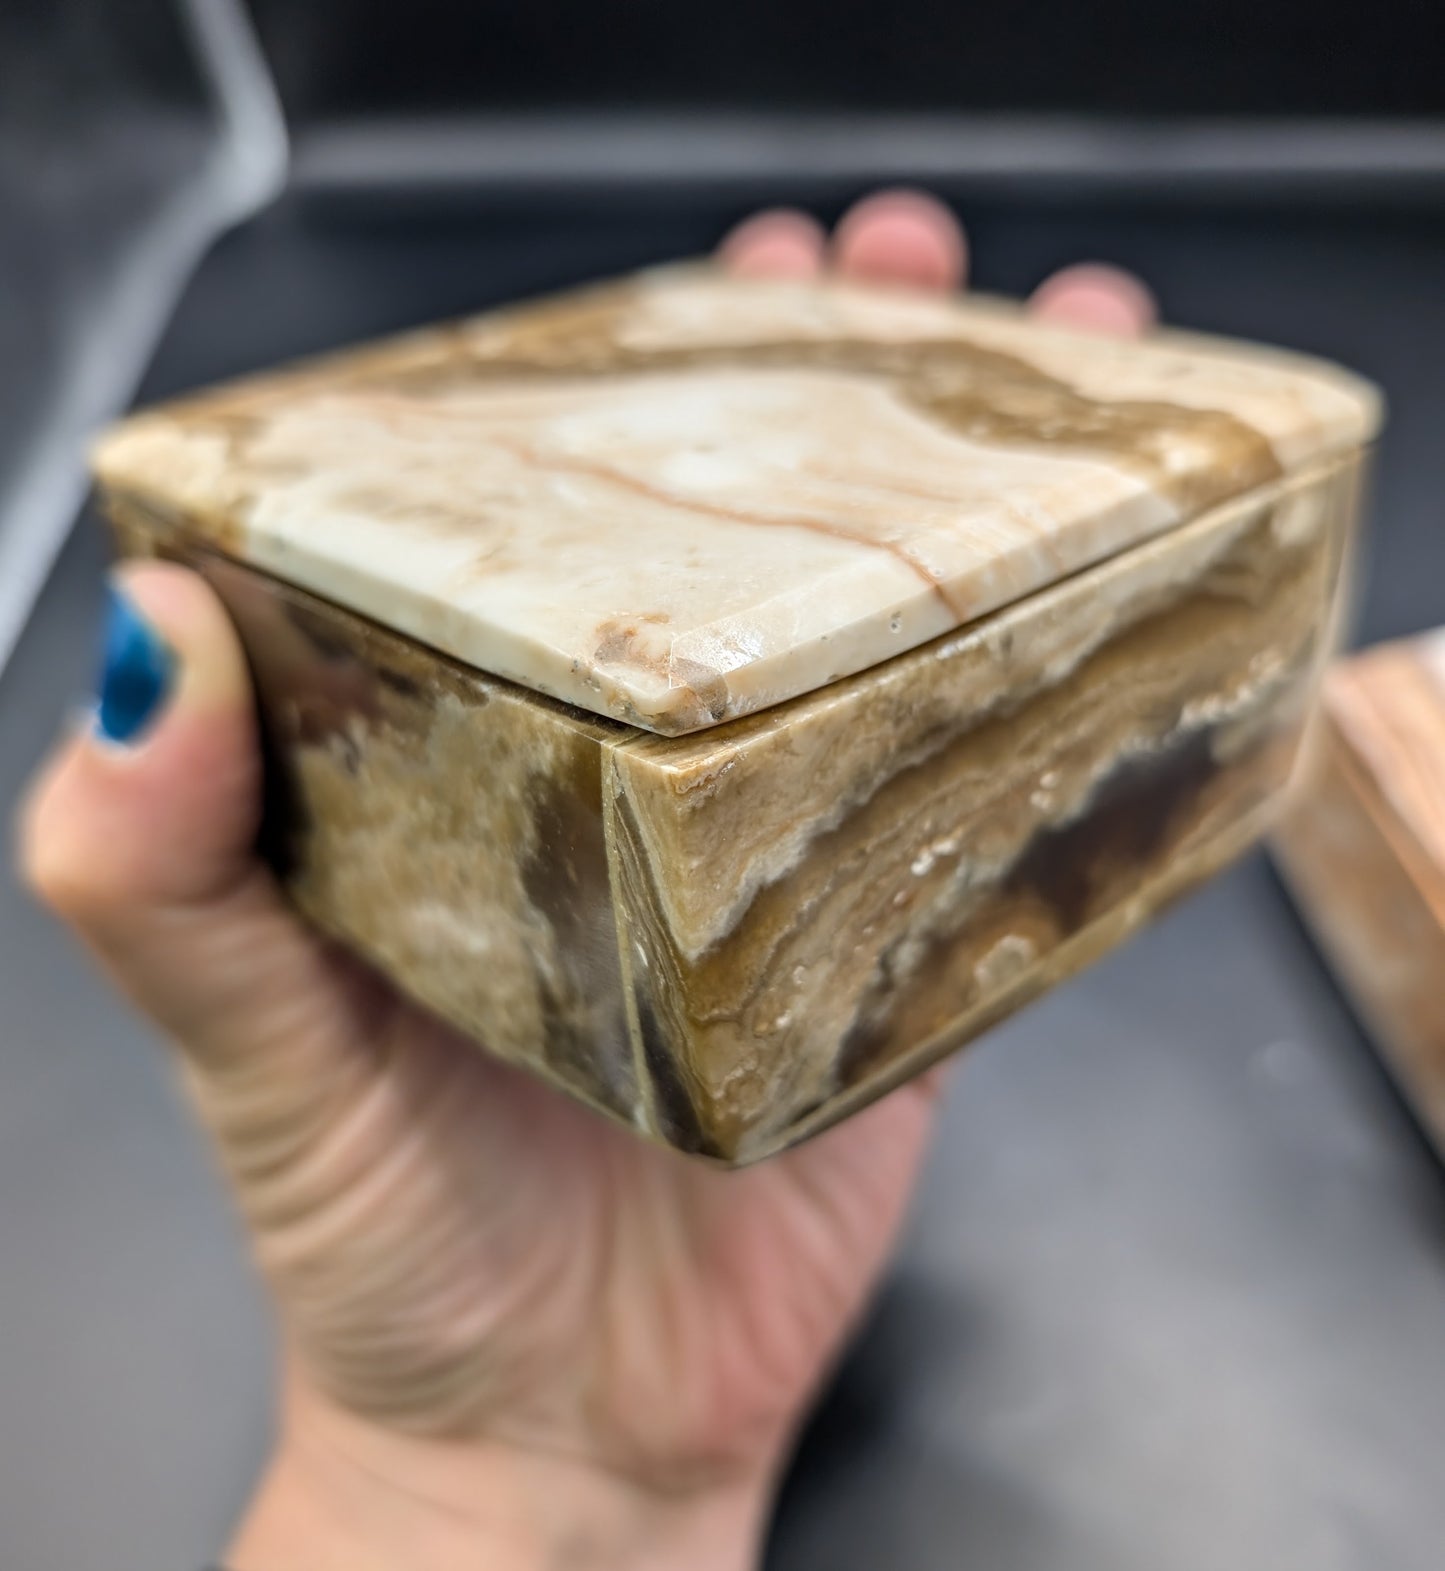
{"points": [[136, 674]]}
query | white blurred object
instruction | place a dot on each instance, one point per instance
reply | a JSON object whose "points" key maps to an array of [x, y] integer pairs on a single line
{"points": [[123, 157]]}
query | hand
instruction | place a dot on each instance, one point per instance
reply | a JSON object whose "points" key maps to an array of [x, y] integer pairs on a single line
{"points": [[514, 1334]]}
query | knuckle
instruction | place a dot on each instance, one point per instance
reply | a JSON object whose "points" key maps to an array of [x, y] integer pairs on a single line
{"points": [[49, 860], [52, 876]]}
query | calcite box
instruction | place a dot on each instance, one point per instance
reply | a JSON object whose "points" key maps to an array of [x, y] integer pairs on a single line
{"points": [[724, 697]]}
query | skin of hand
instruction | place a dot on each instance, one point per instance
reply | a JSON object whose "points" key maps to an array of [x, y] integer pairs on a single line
{"points": [[514, 1334]]}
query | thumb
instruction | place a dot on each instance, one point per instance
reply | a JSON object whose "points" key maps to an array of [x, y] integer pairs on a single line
{"points": [[139, 832]]}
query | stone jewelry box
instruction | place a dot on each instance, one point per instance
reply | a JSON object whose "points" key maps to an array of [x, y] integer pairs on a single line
{"points": [[726, 697]]}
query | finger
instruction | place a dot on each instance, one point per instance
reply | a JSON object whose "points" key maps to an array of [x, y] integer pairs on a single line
{"points": [[139, 831], [933, 1083], [902, 237], [1097, 298], [781, 243]]}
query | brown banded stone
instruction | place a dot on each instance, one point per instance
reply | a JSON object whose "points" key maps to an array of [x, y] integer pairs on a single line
{"points": [[989, 679]]}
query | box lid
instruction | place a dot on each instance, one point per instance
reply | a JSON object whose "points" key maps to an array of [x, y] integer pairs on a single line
{"points": [[681, 498]]}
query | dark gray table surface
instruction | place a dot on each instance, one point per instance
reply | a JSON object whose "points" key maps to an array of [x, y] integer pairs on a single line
{"points": [[1174, 1291]]}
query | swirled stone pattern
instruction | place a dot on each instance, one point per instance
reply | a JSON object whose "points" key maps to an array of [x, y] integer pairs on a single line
{"points": [[727, 697]]}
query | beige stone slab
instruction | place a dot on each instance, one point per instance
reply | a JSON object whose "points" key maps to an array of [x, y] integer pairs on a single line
{"points": [[683, 499]]}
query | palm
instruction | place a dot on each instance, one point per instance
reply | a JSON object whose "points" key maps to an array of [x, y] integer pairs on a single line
{"points": [[462, 1251]]}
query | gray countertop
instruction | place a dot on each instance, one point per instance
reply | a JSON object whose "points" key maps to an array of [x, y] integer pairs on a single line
{"points": [[1174, 1291]]}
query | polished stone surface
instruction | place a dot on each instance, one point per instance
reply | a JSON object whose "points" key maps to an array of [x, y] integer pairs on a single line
{"points": [[681, 499], [1104, 575], [1363, 849]]}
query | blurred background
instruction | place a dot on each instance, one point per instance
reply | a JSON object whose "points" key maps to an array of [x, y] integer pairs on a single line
{"points": [[1174, 1295]]}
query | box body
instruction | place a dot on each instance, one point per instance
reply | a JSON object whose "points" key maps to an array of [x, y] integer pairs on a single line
{"points": [[732, 938]]}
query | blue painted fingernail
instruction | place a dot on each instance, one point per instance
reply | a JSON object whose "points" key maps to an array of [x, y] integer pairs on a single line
{"points": [[136, 674]]}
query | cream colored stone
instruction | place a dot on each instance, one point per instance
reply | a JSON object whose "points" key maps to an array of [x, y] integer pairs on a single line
{"points": [[928, 652], [665, 507]]}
